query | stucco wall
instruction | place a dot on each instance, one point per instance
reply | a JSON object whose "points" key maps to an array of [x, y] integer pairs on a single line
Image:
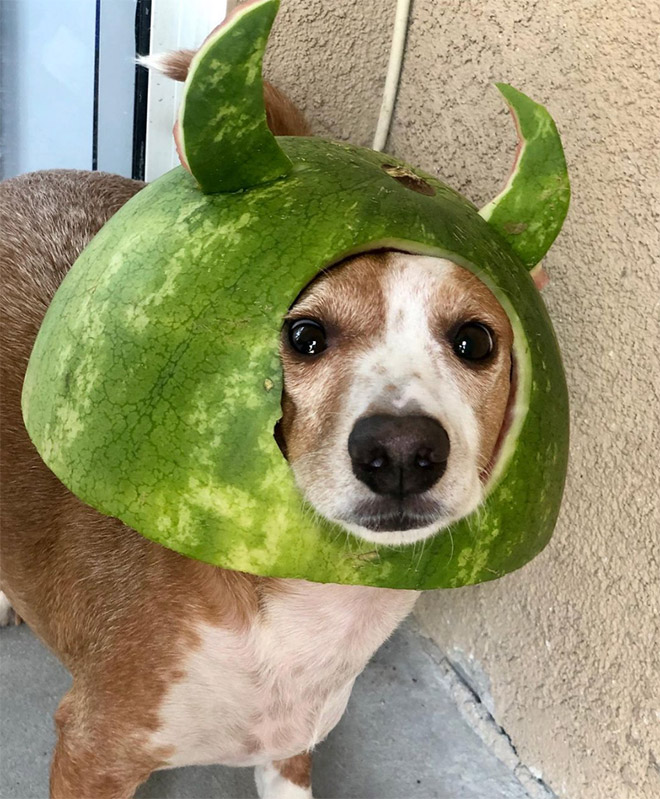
{"points": [[567, 651], [331, 57], [571, 644]]}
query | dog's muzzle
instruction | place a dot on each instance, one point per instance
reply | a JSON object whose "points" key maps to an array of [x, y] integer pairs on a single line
{"points": [[398, 456]]}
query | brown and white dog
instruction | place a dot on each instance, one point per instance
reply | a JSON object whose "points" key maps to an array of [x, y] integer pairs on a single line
{"points": [[397, 378]]}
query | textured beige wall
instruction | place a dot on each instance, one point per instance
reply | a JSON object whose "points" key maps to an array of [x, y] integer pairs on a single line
{"points": [[331, 57], [570, 646]]}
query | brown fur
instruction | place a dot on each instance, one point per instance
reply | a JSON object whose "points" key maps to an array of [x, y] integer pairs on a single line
{"points": [[176, 64], [466, 299], [347, 299], [297, 770]]}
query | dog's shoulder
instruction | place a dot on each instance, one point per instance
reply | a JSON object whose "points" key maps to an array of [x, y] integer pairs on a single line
{"points": [[47, 218]]}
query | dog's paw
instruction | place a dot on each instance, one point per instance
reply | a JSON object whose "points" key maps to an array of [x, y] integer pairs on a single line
{"points": [[8, 615], [271, 784]]}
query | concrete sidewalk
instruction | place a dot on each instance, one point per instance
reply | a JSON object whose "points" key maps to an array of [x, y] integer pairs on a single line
{"points": [[402, 735]]}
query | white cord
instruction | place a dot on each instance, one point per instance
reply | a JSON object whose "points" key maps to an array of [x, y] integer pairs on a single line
{"points": [[393, 74]]}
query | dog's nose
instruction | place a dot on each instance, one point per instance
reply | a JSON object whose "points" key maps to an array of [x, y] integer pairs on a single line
{"points": [[398, 455]]}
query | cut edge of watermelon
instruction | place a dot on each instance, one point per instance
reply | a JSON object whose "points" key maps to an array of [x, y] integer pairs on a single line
{"points": [[487, 211]]}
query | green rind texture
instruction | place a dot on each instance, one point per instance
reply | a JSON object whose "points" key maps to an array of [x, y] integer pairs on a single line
{"points": [[530, 210], [155, 381], [222, 133]]}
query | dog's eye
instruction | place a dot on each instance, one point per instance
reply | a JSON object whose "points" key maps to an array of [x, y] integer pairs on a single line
{"points": [[307, 337], [473, 342]]}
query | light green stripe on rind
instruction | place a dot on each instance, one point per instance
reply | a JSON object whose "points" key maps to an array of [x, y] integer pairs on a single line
{"points": [[222, 133], [530, 210]]}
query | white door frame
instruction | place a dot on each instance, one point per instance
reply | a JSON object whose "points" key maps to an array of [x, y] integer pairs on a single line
{"points": [[175, 24]]}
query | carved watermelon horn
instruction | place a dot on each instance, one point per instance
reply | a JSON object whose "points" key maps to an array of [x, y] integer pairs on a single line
{"points": [[224, 140], [221, 133], [531, 208]]}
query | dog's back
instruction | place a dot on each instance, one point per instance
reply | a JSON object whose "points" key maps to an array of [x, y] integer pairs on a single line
{"points": [[46, 219]]}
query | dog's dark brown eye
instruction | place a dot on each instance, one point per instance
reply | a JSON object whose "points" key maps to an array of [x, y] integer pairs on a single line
{"points": [[473, 342], [307, 337]]}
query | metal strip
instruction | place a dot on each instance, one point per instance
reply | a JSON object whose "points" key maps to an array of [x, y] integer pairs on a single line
{"points": [[142, 40]]}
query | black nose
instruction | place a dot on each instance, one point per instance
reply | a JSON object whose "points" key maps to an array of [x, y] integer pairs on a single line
{"points": [[398, 455]]}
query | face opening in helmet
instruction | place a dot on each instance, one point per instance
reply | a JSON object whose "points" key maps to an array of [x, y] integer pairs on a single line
{"points": [[389, 430]]}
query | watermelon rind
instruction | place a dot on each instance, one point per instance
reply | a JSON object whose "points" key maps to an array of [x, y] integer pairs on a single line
{"points": [[155, 383], [530, 210], [221, 131]]}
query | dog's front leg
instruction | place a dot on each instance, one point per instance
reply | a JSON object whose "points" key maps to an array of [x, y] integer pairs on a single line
{"points": [[286, 779], [96, 756]]}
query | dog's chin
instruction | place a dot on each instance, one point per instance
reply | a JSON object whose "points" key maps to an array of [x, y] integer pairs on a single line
{"points": [[393, 531], [394, 523]]}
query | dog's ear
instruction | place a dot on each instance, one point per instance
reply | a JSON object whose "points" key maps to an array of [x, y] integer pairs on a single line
{"points": [[174, 64], [283, 116], [540, 277]]}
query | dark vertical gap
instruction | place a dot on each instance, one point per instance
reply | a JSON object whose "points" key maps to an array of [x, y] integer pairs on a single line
{"points": [[142, 39], [95, 113]]}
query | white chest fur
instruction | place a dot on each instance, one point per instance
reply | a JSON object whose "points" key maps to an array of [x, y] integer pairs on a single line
{"points": [[276, 689]]}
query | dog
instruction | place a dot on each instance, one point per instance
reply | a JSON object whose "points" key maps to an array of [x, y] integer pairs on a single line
{"points": [[397, 381]]}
